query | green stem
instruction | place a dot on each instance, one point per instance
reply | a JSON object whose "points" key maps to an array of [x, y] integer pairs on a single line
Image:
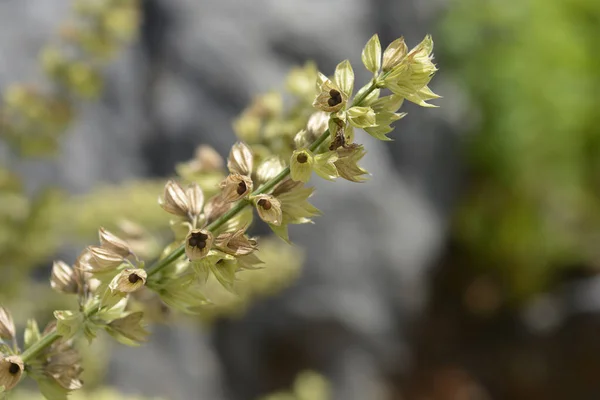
{"points": [[39, 346]]}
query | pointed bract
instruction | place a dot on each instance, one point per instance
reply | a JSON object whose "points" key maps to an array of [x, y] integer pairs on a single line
{"points": [[371, 55], [347, 164], [130, 328], [344, 77], [324, 165]]}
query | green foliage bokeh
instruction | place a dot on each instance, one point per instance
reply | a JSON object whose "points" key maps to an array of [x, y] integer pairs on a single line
{"points": [[532, 71]]}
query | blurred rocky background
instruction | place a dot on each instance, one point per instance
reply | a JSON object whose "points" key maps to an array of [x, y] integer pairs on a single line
{"points": [[465, 269]]}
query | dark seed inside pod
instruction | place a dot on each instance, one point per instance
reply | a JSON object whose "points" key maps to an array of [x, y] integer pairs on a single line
{"points": [[14, 368], [302, 158], [241, 189], [133, 278], [198, 239], [265, 204]]}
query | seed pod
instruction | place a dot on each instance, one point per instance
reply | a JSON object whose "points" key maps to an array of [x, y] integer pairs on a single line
{"points": [[235, 187], [195, 198], [7, 326], [269, 209], [174, 200], [129, 280], [102, 259], [63, 278], [112, 242], [240, 159], [11, 369], [198, 244]]}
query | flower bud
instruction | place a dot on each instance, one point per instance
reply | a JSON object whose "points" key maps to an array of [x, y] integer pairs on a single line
{"points": [[362, 117], [63, 278], [301, 165], [7, 326], [11, 369], [269, 209], [195, 198], [207, 159], [394, 54], [240, 159], [68, 323], [174, 200], [198, 243], [269, 169], [317, 124], [129, 280], [235, 187], [344, 77], [112, 242], [371, 54], [302, 139], [215, 207]]}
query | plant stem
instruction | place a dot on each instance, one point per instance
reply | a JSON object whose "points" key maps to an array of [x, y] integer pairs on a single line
{"points": [[40, 345], [51, 337]]}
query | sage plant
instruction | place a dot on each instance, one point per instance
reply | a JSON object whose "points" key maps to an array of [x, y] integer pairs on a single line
{"points": [[267, 172]]}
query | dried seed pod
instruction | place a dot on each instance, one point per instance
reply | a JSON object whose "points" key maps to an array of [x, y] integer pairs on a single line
{"points": [[240, 159], [269, 209], [11, 369], [7, 326], [129, 280], [195, 198], [198, 243], [112, 242], [235, 187], [63, 278], [174, 200]]}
